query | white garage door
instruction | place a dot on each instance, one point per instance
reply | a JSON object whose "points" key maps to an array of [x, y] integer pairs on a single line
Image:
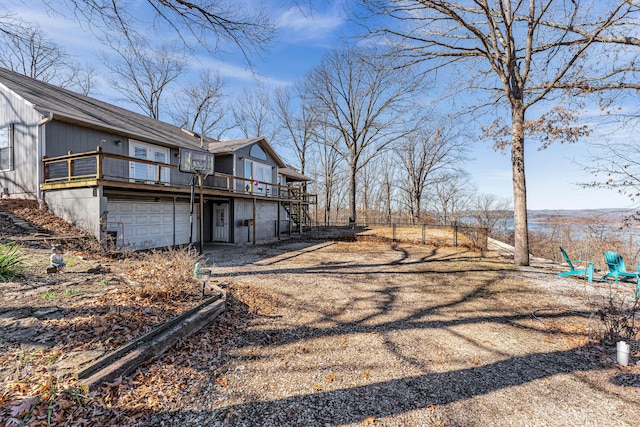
{"points": [[141, 225]]}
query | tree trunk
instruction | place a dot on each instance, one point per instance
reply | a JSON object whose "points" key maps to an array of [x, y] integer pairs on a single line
{"points": [[520, 226], [352, 195], [327, 204], [416, 214], [388, 205]]}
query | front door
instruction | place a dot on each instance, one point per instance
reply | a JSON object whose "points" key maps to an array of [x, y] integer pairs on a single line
{"points": [[221, 223]]}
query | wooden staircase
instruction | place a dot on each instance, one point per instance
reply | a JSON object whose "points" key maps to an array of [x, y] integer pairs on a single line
{"points": [[298, 211]]}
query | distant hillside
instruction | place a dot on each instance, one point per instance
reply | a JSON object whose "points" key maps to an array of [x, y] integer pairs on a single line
{"points": [[605, 216]]}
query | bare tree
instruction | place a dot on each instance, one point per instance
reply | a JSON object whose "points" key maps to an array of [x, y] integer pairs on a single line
{"points": [[84, 80], [387, 185], [142, 74], [297, 123], [217, 25], [616, 166], [453, 194], [523, 54], [489, 209], [199, 106], [367, 181], [253, 114], [26, 49], [424, 156], [366, 104], [329, 160]]}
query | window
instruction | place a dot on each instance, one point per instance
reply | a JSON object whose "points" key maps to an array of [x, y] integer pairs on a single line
{"points": [[6, 147], [146, 172], [257, 152]]}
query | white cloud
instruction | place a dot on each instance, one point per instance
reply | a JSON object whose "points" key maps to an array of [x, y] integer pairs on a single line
{"points": [[235, 73], [64, 31], [313, 25]]}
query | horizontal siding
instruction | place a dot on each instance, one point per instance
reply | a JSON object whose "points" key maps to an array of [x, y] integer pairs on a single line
{"points": [[63, 137]]}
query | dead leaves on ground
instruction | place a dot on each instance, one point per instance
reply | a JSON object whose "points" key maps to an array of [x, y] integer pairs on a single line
{"points": [[126, 401]]}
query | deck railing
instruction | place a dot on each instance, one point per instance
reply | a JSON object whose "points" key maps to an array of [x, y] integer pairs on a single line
{"points": [[76, 168]]}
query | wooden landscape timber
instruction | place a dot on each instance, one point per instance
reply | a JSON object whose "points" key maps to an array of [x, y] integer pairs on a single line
{"points": [[150, 346]]}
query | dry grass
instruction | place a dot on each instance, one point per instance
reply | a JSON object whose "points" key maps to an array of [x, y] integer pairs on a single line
{"points": [[163, 275], [438, 237]]}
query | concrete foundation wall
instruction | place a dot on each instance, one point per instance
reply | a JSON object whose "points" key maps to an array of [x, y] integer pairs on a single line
{"points": [[80, 206]]}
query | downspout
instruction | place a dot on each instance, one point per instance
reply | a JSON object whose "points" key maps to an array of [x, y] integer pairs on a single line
{"points": [[41, 147]]}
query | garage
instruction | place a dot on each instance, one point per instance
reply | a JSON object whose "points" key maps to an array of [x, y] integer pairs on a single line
{"points": [[149, 224]]}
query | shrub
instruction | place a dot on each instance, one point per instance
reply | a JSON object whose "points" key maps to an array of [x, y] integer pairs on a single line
{"points": [[10, 261], [163, 275], [615, 310]]}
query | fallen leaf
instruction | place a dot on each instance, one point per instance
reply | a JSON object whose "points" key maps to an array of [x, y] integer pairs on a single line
{"points": [[475, 362], [222, 381], [431, 408], [23, 408], [318, 387], [330, 378], [369, 420], [366, 374]]}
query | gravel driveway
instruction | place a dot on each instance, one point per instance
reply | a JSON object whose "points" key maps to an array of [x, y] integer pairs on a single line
{"points": [[368, 333]]}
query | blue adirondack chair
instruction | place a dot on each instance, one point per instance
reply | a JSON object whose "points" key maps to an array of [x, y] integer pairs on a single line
{"points": [[577, 271], [618, 270]]}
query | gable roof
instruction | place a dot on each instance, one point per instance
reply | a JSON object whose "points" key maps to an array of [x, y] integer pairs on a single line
{"points": [[228, 147], [72, 107]]}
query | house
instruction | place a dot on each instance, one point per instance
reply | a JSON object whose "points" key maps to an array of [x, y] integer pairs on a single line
{"points": [[121, 175]]}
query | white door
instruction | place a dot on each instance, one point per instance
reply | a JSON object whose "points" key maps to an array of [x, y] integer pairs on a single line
{"points": [[221, 223]]}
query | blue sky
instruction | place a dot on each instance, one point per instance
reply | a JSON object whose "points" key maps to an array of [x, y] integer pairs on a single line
{"points": [[301, 41]]}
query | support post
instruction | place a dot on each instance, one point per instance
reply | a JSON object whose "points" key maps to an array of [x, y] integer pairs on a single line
{"points": [[290, 231], [278, 221], [191, 202], [99, 158], [455, 234], [255, 211], [300, 217], [201, 231]]}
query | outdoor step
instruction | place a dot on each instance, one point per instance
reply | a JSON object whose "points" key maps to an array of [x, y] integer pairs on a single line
{"points": [[128, 358]]}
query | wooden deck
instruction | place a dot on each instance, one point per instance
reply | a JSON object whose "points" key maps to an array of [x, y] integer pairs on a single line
{"points": [[82, 170]]}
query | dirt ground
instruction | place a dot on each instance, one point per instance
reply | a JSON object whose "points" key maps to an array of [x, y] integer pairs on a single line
{"points": [[324, 333], [366, 333]]}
